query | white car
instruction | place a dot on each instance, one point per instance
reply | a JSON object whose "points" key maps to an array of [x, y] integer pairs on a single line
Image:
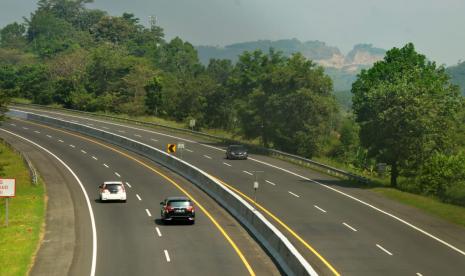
{"points": [[112, 190]]}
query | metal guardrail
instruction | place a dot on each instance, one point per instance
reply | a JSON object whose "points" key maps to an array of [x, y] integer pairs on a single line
{"points": [[271, 152], [32, 170], [278, 246]]}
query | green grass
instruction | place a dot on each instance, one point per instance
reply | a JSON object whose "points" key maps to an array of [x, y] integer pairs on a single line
{"points": [[20, 240], [449, 212]]}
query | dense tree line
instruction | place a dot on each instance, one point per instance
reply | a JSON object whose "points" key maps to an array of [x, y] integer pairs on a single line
{"points": [[405, 111]]}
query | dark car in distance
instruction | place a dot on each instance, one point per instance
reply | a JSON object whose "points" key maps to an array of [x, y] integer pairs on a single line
{"points": [[177, 208], [236, 152]]}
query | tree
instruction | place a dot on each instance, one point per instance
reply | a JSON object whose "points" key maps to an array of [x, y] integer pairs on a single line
{"points": [[180, 57], [406, 108], [13, 36], [153, 99]]}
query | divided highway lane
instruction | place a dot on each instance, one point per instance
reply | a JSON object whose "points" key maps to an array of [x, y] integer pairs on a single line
{"points": [[131, 239], [355, 238]]}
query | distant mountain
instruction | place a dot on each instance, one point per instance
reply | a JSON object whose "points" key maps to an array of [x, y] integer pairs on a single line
{"points": [[342, 69], [457, 74]]}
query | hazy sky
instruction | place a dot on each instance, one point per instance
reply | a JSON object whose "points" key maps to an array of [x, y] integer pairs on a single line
{"points": [[436, 27]]}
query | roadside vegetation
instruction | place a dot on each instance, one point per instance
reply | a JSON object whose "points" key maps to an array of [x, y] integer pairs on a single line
{"points": [[404, 111], [20, 240]]}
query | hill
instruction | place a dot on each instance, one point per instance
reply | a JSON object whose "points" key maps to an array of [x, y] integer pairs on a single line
{"points": [[342, 69], [457, 74]]}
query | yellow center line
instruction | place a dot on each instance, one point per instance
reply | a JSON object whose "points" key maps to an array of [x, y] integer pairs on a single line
{"points": [[280, 222], [213, 220]]}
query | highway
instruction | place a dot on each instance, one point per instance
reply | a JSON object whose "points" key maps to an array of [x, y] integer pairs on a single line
{"points": [[130, 239], [340, 230]]}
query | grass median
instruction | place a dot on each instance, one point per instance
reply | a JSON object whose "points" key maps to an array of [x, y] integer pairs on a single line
{"points": [[20, 240]]}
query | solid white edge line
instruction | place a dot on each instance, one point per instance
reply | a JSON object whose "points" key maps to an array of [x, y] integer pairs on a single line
{"points": [[366, 204], [167, 256], [350, 227], [91, 213], [324, 211], [249, 173], [138, 197], [129, 185], [148, 212], [385, 251], [229, 165], [158, 231], [206, 156], [269, 182], [296, 195]]}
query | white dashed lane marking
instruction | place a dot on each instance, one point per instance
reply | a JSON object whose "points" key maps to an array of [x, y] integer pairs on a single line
{"points": [[95, 158], [61, 141], [206, 156], [73, 146], [155, 140], [167, 256], [385, 251], [350, 227], [148, 212], [129, 185], [189, 150], [249, 173], [319, 208], [122, 131], [12, 125], [293, 194], [117, 174], [49, 136], [269, 182], [138, 197], [36, 131], [25, 128], [83, 151], [158, 231], [229, 165], [137, 135], [106, 166], [105, 127]]}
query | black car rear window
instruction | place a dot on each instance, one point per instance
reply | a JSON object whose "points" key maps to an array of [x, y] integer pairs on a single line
{"points": [[179, 203]]}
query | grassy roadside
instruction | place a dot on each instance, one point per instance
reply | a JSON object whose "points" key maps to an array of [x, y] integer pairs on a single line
{"points": [[20, 240], [449, 212]]}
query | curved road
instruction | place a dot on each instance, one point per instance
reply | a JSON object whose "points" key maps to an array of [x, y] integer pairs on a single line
{"points": [[339, 229], [131, 240]]}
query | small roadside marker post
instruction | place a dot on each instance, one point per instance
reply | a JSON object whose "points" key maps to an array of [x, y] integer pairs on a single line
{"points": [[181, 148], [7, 190], [255, 185]]}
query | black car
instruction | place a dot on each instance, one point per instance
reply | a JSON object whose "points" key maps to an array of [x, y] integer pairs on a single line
{"points": [[236, 152], [177, 208]]}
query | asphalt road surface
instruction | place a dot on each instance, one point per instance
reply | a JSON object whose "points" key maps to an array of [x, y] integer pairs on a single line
{"points": [[340, 230], [131, 240]]}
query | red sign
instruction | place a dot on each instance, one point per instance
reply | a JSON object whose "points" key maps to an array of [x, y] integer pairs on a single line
{"points": [[7, 187]]}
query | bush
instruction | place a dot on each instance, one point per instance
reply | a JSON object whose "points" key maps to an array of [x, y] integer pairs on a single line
{"points": [[443, 176]]}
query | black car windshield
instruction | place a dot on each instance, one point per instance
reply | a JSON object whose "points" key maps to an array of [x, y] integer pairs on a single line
{"points": [[237, 148], [179, 203]]}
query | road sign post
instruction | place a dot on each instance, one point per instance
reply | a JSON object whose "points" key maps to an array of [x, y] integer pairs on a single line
{"points": [[171, 148], [192, 124], [181, 149], [7, 190]]}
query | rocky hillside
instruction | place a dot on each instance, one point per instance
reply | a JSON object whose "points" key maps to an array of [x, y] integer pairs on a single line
{"points": [[342, 68]]}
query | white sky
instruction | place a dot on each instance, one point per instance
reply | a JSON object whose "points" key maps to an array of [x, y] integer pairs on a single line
{"points": [[436, 27]]}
